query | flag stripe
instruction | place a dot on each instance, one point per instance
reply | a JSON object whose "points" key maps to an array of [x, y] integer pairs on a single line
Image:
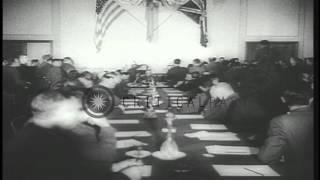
{"points": [[101, 17], [109, 24], [104, 24], [105, 16], [191, 10]]}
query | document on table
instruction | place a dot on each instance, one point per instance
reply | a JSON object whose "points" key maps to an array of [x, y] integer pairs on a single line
{"points": [[123, 121], [245, 170], [232, 150], [214, 136], [177, 105], [173, 98], [133, 107], [189, 116], [161, 111], [126, 143], [173, 91], [132, 134], [222, 137], [208, 126], [175, 94], [145, 170], [133, 112]]}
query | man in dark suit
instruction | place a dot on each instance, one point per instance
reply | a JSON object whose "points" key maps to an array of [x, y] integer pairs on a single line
{"points": [[176, 73], [291, 136]]}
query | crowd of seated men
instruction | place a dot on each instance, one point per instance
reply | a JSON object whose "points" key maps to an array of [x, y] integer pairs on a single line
{"points": [[271, 103], [22, 81], [56, 138]]}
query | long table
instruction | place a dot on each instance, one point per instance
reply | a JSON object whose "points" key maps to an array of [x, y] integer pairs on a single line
{"points": [[195, 165]]}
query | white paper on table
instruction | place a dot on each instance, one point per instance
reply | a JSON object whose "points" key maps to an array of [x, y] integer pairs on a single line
{"points": [[214, 136], [179, 98], [206, 133], [175, 94], [245, 170], [208, 126], [123, 121], [165, 130], [145, 170], [134, 107], [177, 105], [161, 111], [130, 102], [132, 134], [189, 116], [126, 143], [234, 150], [173, 91], [133, 112], [219, 138]]}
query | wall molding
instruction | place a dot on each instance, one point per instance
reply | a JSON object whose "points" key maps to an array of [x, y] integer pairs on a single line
{"points": [[46, 37], [243, 37]]}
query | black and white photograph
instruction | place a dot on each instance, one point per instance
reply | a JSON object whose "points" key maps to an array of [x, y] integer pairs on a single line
{"points": [[159, 90]]}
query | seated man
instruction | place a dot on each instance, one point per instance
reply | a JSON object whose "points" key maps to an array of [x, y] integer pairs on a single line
{"points": [[62, 142], [196, 67], [55, 75], [238, 113], [291, 136], [176, 73]]}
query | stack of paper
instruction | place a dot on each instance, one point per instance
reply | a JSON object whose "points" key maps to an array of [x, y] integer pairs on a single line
{"points": [[123, 121], [132, 134], [245, 170], [208, 126], [189, 116], [234, 150], [126, 143]]}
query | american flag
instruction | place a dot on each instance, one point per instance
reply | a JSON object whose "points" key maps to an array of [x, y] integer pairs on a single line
{"points": [[196, 10], [107, 11]]}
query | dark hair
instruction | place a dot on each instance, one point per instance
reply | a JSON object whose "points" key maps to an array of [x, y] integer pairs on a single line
{"points": [[196, 60], [212, 59], [87, 75], [195, 74], [73, 74], [177, 61], [264, 42], [295, 98], [53, 60], [190, 65], [47, 57]]}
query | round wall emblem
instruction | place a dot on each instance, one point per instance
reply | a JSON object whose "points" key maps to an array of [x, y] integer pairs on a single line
{"points": [[98, 101]]}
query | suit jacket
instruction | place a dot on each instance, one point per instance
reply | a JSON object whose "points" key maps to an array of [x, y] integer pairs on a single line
{"points": [[84, 152], [176, 74], [291, 135]]}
